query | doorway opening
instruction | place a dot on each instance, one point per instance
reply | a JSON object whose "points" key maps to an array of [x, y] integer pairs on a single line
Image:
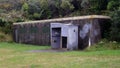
{"points": [[64, 42]]}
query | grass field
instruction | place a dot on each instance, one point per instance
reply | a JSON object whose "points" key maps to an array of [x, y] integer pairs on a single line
{"points": [[14, 55]]}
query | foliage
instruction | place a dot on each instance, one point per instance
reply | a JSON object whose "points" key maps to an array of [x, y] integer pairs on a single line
{"points": [[34, 7], [21, 10], [5, 37], [25, 7], [5, 26], [2, 22], [2, 37], [113, 4], [66, 6], [36, 16], [85, 4], [115, 29], [44, 4], [96, 6], [105, 45]]}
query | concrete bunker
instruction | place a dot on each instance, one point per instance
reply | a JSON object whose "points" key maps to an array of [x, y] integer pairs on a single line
{"points": [[89, 30]]}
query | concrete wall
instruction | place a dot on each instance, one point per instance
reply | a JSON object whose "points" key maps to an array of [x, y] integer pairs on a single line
{"points": [[73, 37], [38, 33]]}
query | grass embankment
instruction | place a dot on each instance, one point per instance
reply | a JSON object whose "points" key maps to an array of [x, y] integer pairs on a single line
{"points": [[14, 55]]}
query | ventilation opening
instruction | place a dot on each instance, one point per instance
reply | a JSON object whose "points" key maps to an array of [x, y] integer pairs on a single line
{"points": [[64, 42]]}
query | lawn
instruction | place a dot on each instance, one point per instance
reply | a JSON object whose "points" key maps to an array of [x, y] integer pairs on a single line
{"points": [[13, 55]]}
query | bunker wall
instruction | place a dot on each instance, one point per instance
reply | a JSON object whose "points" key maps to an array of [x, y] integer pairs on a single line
{"points": [[89, 32]]}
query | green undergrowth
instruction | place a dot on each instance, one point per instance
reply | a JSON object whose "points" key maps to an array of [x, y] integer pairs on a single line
{"points": [[104, 45]]}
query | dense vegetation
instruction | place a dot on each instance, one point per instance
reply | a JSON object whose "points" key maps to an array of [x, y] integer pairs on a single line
{"points": [[22, 10]]}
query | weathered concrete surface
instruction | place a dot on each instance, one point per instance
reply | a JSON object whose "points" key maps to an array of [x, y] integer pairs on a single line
{"points": [[59, 31]]}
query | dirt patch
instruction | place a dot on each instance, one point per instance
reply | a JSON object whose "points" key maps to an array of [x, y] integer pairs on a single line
{"points": [[49, 50]]}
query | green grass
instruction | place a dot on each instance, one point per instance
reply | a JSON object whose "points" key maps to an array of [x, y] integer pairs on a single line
{"points": [[14, 55]]}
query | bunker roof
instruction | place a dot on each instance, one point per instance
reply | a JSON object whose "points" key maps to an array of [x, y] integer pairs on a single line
{"points": [[65, 19]]}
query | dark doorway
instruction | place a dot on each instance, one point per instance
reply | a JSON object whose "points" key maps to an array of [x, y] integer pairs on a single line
{"points": [[64, 42]]}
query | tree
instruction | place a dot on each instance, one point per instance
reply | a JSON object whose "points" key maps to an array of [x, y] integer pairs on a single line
{"points": [[25, 7], [85, 4], [76, 4], [113, 4], [96, 6], [115, 29], [66, 6]]}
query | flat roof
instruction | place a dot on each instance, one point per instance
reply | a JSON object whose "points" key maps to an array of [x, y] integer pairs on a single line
{"points": [[65, 19]]}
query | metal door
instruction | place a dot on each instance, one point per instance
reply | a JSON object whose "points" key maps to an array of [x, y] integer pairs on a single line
{"points": [[56, 36]]}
